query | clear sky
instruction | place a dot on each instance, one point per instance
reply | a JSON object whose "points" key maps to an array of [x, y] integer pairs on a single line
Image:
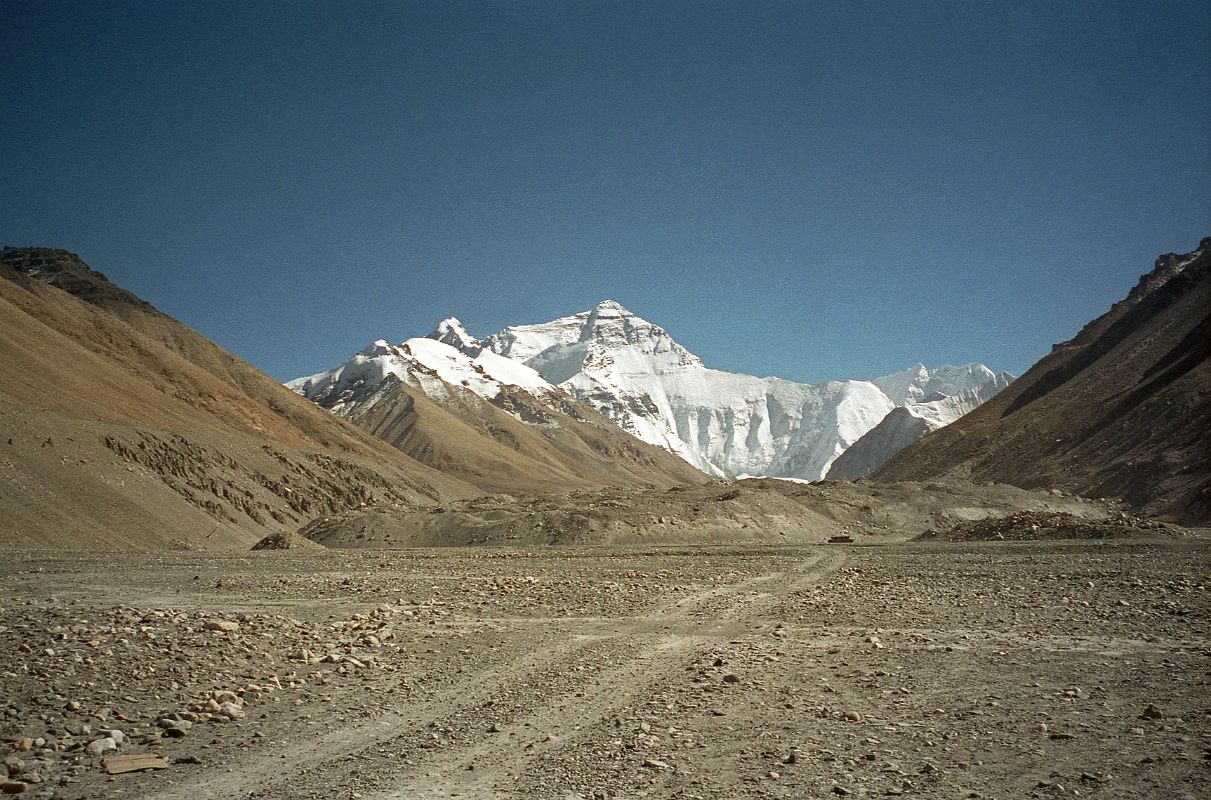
{"points": [[810, 190]]}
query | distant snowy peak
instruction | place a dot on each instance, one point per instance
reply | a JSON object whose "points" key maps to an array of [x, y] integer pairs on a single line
{"points": [[918, 382], [905, 424], [450, 331], [636, 375], [426, 363], [608, 326]]}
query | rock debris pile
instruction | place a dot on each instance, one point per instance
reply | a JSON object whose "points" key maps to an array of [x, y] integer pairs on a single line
{"points": [[1037, 525]]}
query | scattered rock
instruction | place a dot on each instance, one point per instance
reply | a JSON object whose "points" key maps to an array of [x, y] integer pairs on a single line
{"points": [[100, 746], [1152, 712], [231, 710]]}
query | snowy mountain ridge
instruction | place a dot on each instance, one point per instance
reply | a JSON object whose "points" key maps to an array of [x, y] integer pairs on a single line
{"points": [[637, 376], [724, 423], [905, 424], [429, 364]]}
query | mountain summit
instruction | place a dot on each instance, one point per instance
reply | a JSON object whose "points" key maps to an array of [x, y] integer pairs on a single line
{"points": [[450, 331], [452, 403], [637, 376], [726, 424], [564, 345]]}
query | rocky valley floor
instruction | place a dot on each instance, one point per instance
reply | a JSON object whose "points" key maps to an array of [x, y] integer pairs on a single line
{"points": [[997, 669]]}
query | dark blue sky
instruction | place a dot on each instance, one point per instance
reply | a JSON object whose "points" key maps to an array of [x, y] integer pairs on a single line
{"points": [[813, 190]]}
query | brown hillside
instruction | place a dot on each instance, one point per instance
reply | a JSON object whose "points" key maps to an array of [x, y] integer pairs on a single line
{"points": [[1122, 410], [122, 428], [563, 445]]}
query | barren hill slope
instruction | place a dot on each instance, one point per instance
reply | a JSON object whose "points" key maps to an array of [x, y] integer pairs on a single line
{"points": [[1121, 410], [122, 428], [516, 442]]}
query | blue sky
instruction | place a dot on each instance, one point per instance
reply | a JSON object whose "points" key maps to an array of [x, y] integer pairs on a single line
{"points": [[810, 190]]}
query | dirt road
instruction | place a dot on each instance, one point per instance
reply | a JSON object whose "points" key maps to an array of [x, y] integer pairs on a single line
{"points": [[927, 670]]}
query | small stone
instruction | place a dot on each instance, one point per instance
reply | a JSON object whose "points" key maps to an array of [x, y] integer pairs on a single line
{"points": [[100, 746], [1152, 712], [731, 678], [223, 625], [655, 763], [231, 711], [14, 787]]}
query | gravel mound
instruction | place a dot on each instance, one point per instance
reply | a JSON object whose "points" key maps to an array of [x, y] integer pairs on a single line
{"points": [[284, 541], [1044, 525]]}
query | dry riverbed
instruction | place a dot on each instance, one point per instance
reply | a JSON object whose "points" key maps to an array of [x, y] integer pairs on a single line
{"points": [[922, 669]]}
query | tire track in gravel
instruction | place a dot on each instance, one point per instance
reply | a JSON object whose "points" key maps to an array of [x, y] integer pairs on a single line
{"points": [[581, 676], [485, 768]]}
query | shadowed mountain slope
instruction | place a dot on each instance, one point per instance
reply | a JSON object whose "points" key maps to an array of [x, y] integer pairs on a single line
{"points": [[1121, 410]]}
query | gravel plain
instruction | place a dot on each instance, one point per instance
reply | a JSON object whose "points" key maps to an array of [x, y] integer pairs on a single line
{"points": [[994, 669]]}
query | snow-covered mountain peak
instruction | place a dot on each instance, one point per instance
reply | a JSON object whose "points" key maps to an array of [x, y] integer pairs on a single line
{"points": [[724, 423], [605, 337], [426, 363], [379, 347], [636, 375], [450, 331], [612, 307], [917, 382]]}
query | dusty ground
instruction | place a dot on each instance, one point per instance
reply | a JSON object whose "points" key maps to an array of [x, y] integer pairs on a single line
{"points": [[988, 669]]}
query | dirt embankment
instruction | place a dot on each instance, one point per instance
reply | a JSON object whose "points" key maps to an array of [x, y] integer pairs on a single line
{"points": [[762, 510], [1043, 525]]}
